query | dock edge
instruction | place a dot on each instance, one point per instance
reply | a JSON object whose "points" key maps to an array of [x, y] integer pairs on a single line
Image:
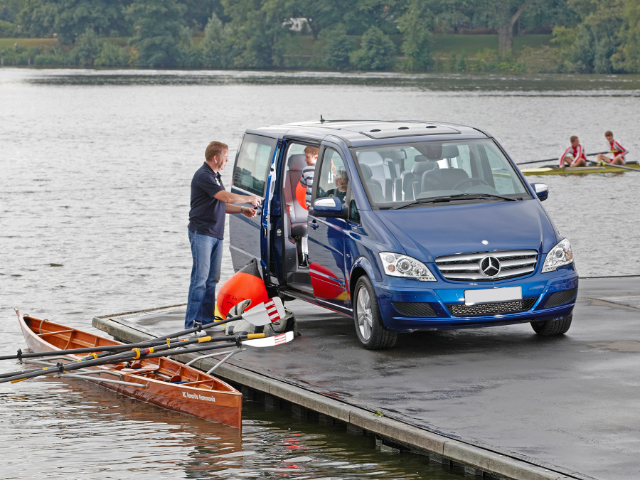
{"points": [[474, 459]]}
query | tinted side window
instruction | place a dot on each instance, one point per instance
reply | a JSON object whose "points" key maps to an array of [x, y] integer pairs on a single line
{"points": [[252, 167], [332, 180]]}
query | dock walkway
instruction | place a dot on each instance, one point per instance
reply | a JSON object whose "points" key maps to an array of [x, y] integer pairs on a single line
{"points": [[499, 400]]}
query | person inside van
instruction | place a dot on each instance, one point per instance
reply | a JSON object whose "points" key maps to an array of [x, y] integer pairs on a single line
{"points": [[306, 179], [574, 155], [341, 181]]}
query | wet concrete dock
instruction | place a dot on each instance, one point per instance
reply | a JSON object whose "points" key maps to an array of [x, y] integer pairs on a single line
{"points": [[500, 399]]}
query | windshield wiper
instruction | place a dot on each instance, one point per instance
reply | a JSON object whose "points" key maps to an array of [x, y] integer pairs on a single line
{"points": [[472, 196], [448, 198]]}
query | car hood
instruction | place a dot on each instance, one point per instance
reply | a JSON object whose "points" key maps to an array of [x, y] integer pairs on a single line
{"points": [[428, 233]]}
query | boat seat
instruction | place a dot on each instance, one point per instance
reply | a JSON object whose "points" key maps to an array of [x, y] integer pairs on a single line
{"points": [[442, 179]]}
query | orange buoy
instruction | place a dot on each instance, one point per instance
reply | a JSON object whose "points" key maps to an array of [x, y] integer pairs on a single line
{"points": [[301, 196], [246, 284], [323, 288]]}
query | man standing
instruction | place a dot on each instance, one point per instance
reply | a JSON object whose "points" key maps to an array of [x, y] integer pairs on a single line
{"points": [[209, 203], [574, 155]]}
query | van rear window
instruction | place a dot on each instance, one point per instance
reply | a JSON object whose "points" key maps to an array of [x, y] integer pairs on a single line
{"points": [[251, 169]]}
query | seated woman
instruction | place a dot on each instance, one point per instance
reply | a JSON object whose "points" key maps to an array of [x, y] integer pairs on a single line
{"points": [[341, 182]]}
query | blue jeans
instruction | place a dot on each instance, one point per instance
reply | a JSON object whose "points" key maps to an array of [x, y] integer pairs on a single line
{"points": [[205, 274]]}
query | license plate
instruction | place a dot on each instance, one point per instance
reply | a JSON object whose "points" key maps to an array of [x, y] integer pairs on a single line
{"points": [[491, 295]]}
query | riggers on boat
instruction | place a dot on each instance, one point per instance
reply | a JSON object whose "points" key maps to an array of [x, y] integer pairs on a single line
{"points": [[160, 381], [555, 170]]}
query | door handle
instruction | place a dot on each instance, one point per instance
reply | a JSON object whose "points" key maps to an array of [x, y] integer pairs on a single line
{"points": [[314, 224]]}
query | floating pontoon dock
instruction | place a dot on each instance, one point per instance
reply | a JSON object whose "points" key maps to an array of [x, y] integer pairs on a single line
{"points": [[499, 401]]}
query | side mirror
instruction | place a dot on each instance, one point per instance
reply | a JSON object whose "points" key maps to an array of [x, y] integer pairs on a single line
{"points": [[542, 191], [329, 207]]}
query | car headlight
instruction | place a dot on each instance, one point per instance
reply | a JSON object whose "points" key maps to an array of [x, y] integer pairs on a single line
{"points": [[558, 256], [398, 265]]}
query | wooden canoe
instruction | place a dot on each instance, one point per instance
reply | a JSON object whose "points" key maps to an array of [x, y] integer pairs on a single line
{"points": [[553, 170], [202, 396]]}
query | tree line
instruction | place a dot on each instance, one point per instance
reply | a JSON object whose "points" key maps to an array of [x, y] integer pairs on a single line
{"points": [[591, 36]]}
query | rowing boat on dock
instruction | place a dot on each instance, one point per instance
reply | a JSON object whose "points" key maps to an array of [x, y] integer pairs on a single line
{"points": [[556, 170], [160, 381]]}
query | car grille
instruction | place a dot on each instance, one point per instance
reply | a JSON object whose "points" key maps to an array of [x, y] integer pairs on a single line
{"points": [[560, 298], [499, 308], [415, 309], [469, 266]]}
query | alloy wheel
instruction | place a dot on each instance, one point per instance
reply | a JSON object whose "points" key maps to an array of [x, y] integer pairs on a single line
{"points": [[365, 315]]}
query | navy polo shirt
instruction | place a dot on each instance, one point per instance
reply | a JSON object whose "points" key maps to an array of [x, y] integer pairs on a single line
{"points": [[206, 216]]}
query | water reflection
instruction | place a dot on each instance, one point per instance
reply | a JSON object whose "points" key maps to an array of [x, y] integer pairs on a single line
{"points": [[72, 428], [546, 84]]}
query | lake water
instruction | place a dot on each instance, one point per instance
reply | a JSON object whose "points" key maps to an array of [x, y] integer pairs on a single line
{"points": [[94, 194]]}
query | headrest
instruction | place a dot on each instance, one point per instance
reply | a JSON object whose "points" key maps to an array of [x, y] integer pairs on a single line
{"points": [[370, 158], [420, 167], [432, 151], [297, 162], [366, 171], [450, 151]]}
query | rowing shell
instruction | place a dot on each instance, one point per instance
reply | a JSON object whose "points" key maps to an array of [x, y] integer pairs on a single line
{"points": [[151, 380], [576, 170]]}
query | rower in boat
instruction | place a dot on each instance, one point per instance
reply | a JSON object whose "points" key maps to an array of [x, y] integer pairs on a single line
{"points": [[616, 150], [574, 155]]}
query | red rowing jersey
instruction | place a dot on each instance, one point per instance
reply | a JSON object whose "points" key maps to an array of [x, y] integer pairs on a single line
{"points": [[576, 153], [617, 149]]}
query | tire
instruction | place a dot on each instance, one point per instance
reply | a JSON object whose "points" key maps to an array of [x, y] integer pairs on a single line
{"points": [[368, 321], [549, 328]]}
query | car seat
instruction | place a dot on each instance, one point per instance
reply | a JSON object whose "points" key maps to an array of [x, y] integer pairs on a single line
{"points": [[422, 164], [374, 188], [297, 213], [443, 179]]}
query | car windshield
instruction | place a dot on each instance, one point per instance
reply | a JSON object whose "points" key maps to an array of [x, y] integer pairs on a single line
{"points": [[436, 173]]}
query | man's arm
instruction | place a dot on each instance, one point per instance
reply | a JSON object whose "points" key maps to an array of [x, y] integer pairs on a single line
{"points": [[246, 211], [228, 197]]}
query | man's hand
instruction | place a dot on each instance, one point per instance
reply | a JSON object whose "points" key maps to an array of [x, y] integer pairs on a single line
{"points": [[253, 200], [248, 212]]}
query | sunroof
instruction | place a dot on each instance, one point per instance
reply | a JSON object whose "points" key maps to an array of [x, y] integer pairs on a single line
{"points": [[410, 130]]}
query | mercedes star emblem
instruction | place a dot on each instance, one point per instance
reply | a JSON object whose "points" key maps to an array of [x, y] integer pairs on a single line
{"points": [[490, 266]]}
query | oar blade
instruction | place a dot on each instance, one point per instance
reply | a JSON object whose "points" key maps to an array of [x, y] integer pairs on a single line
{"points": [[270, 341], [265, 313]]}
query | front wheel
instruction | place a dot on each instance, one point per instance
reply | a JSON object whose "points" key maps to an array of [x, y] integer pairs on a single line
{"points": [[368, 320], [549, 328]]}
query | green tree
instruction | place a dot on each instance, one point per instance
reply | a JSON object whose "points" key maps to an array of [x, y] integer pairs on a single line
{"points": [[338, 47], [258, 30], [627, 57], [198, 12], [376, 51], [159, 31], [215, 46], [70, 18], [88, 47], [112, 55], [597, 37], [414, 25]]}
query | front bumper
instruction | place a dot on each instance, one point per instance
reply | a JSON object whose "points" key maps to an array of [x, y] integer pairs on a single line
{"points": [[439, 296]]}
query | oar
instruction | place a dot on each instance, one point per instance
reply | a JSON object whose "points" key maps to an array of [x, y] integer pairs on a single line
{"points": [[121, 357], [556, 158], [174, 346], [262, 314], [615, 166], [152, 353]]}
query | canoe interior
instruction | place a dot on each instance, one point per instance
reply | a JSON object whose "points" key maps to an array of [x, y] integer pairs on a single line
{"points": [[160, 369]]}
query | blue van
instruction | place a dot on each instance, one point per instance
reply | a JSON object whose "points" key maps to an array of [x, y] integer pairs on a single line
{"points": [[411, 225]]}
